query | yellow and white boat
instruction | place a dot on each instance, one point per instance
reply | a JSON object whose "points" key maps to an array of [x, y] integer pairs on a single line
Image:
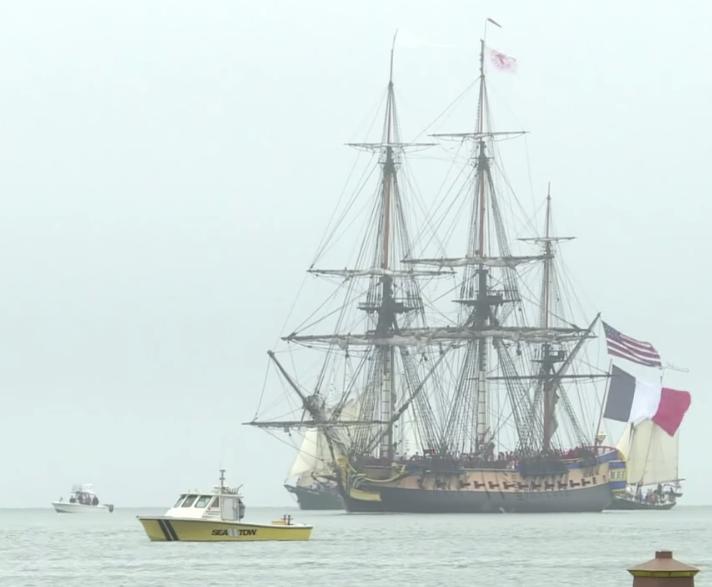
{"points": [[215, 516]]}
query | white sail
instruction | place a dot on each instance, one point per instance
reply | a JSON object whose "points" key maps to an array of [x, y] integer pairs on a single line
{"points": [[651, 454], [306, 460], [314, 456]]}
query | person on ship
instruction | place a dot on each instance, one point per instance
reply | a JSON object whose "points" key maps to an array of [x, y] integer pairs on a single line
{"points": [[489, 454]]}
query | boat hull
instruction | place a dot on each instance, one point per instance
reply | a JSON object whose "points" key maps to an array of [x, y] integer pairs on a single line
{"points": [[355, 505], [572, 486], [622, 503], [63, 507], [169, 529], [588, 499], [316, 499]]}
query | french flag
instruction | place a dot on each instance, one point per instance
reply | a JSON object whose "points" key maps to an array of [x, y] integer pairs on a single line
{"points": [[632, 400]]}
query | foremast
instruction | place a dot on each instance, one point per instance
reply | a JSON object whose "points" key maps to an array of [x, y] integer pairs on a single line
{"points": [[388, 309], [385, 381]]}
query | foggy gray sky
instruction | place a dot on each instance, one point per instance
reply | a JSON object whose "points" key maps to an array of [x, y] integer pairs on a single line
{"points": [[167, 169]]}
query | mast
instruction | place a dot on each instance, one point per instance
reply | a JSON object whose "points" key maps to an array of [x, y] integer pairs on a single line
{"points": [[392, 291], [389, 374], [552, 353], [388, 309], [482, 157], [488, 261], [547, 359], [482, 308]]}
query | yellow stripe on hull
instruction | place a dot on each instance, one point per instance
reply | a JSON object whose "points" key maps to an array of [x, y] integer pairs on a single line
{"points": [[362, 495], [163, 529]]}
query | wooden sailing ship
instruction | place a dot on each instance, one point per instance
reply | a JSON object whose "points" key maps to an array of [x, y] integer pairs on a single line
{"points": [[471, 404], [651, 478]]}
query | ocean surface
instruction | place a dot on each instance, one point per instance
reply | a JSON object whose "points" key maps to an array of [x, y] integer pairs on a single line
{"points": [[41, 547]]}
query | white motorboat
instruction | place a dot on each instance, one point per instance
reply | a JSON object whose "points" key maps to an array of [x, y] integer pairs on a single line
{"points": [[82, 500]]}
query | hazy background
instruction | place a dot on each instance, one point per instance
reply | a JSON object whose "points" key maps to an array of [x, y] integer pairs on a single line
{"points": [[167, 169]]}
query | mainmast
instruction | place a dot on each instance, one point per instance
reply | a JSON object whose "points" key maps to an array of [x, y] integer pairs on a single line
{"points": [[389, 309], [487, 251], [482, 307], [482, 161]]}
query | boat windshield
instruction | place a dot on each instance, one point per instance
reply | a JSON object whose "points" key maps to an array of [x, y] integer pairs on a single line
{"points": [[202, 501], [216, 502], [181, 498], [188, 501]]}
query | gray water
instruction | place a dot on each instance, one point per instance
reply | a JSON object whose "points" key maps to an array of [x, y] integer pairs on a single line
{"points": [[40, 547]]}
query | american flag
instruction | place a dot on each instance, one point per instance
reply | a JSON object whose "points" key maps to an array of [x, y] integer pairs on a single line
{"points": [[625, 347]]}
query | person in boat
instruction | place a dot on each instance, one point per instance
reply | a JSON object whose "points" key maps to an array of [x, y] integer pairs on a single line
{"points": [[95, 500], [72, 499], [671, 494]]}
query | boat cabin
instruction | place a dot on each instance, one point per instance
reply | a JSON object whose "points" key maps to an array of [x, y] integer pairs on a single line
{"points": [[223, 503], [84, 495]]}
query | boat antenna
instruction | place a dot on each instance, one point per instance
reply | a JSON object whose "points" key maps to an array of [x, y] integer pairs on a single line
{"points": [[222, 481]]}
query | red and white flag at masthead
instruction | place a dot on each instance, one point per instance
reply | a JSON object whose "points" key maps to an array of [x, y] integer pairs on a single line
{"points": [[501, 61]]}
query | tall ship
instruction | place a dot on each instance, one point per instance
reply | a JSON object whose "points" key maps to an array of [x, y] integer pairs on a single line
{"points": [[466, 373]]}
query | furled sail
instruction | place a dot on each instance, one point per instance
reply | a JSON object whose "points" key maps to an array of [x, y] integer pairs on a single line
{"points": [[651, 454]]}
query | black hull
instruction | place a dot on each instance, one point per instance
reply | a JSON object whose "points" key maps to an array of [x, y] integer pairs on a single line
{"points": [[587, 499], [621, 503], [309, 498], [359, 506]]}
